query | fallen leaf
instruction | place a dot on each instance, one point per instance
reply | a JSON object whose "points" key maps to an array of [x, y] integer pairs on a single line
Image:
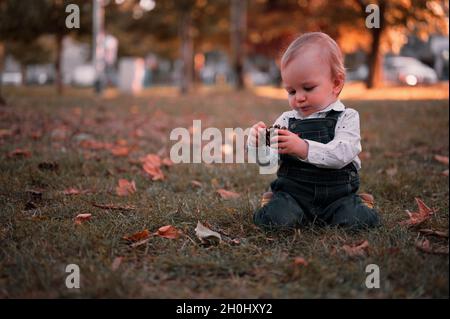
{"points": [[358, 250], [206, 235], [300, 261], [116, 263], [432, 232], [154, 171], [120, 151], [152, 159], [114, 207], [82, 218], [426, 247], [168, 231], [167, 162], [18, 152], [196, 183], [441, 159], [367, 199], [125, 187], [416, 218], [227, 194], [138, 236]]}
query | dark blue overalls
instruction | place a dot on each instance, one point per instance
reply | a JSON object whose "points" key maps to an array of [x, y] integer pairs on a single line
{"points": [[304, 194]]}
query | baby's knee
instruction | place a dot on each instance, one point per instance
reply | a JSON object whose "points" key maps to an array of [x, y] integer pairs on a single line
{"points": [[356, 217], [281, 212]]}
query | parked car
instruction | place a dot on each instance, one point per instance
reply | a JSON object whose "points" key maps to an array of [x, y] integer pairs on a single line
{"points": [[11, 78], [40, 74], [408, 70], [84, 75]]}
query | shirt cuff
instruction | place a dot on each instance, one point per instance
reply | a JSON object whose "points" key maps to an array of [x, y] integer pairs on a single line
{"points": [[315, 154]]}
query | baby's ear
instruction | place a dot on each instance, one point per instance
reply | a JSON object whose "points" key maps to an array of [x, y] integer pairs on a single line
{"points": [[338, 83]]}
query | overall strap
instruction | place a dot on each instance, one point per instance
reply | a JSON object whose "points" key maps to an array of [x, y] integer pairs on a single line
{"points": [[333, 114]]}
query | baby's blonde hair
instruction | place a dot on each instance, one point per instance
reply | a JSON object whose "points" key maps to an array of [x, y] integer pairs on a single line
{"points": [[330, 51]]}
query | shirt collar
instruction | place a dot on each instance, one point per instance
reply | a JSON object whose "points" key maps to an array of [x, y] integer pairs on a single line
{"points": [[337, 106]]}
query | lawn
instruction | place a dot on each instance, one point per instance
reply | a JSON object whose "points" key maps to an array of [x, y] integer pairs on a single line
{"points": [[50, 144]]}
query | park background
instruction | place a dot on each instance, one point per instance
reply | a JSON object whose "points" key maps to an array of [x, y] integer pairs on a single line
{"points": [[85, 178]]}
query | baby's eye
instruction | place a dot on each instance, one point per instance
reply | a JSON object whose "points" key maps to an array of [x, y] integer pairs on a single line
{"points": [[309, 88], [292, 92]]}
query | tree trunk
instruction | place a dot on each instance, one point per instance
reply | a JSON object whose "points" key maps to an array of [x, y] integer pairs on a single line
{"points": [[2, 55], [375, 58], [187, 52], [238, 33], [58, 67]]}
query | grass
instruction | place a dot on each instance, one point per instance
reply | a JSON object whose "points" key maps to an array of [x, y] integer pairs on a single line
{"points": [[38, 243]]}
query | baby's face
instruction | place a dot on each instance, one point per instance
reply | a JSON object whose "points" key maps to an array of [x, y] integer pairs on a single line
{"points": [[307, 79]]}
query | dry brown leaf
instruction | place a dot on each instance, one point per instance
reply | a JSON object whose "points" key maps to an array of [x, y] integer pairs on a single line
{"points": [[441, 159], [432, 232], [206, 235], [196, 183], [300, 261], [167, 162], [82, 218], [19, 152], [227, 194], [358, 250], [417, 218], [114, 207], [168, 231], [367, 199], [120, 151], [153, 171], [138, 236], [152, 160], [426, 247], [125, 187]]}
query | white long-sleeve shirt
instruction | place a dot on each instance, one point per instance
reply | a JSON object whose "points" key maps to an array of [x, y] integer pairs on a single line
{"points": [[339, 152]]}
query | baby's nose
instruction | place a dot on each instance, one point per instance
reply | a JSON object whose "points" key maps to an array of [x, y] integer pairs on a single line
{"points": [[299, 97]]}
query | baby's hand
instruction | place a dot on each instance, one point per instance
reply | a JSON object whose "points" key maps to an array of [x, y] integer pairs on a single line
{"points": [[257, 132], [290, 143]]}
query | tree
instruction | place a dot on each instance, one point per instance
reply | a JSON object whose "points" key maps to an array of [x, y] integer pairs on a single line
{"points": [[238, 37], [175, 29], [26, 21]]}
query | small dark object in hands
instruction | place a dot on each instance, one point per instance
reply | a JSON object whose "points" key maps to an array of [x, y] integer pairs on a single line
{"points": [[271, 129]]}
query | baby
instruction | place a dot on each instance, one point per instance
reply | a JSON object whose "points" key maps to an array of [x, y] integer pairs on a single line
{"points": [[317, 179]]}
